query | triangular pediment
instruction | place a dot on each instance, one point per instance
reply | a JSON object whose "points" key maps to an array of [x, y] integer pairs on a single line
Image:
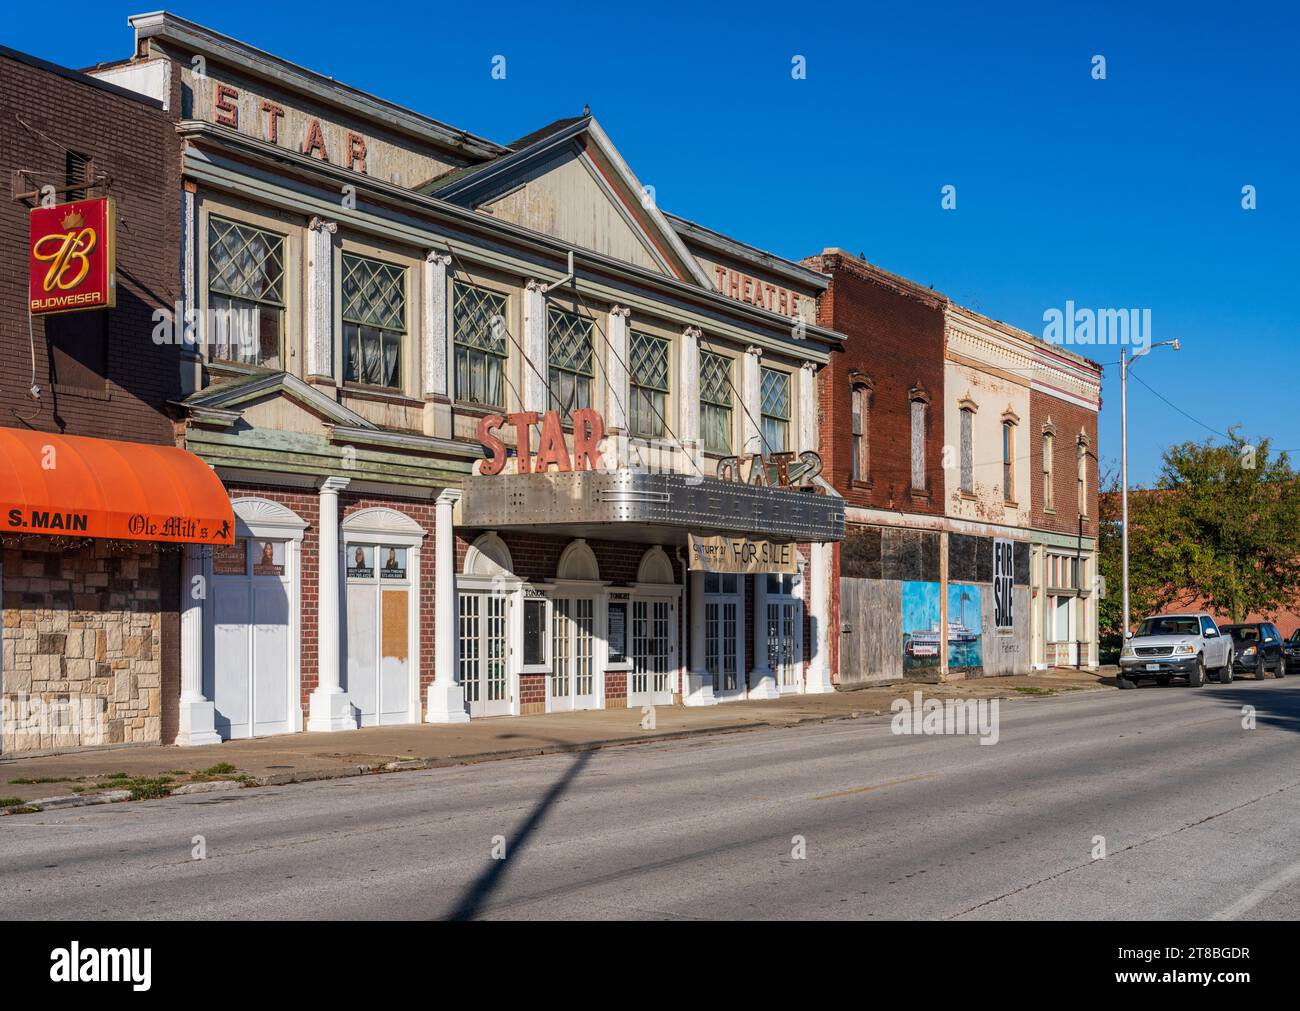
{"points": [[568, 181], [272, 401]]}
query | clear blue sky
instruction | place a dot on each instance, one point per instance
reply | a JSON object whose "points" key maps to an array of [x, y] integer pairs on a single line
{"points": [[1122, 193]]}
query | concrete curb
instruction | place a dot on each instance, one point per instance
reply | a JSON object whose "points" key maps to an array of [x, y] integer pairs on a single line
{"points": [[479, 758], [88, 800], [213, 787]]}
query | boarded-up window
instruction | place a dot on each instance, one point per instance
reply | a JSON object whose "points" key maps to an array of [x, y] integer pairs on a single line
{"points": [[918, 444], [859, 462], [967, 451]]}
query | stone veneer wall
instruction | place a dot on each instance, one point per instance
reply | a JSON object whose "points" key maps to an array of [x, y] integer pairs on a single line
{"points": [[82, 633]]}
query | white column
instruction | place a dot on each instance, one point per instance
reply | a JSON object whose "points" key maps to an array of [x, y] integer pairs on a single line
{"points": [[434, 324], [446, 702], [699, 682], [320, 297], [807, 408], [818, 678], [752, 392], [330, 707], [197, 714], [534, 347], [762, 682], [689, 425]]}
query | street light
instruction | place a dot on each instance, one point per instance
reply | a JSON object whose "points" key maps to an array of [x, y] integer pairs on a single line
{"points": [[1126, 363]]}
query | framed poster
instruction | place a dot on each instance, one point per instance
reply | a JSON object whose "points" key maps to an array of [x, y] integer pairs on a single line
{"points": [[616, 631], [1004, 555]]}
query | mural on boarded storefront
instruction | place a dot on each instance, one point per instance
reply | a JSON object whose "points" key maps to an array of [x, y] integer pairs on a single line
{"points": [[965, 627], [921, 627]]}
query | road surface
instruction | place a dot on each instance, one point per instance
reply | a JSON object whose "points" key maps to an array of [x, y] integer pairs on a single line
{"points": [[1199, 818]]}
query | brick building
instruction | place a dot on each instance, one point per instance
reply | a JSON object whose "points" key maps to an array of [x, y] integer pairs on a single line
{"points": [[90, 607], [469, 401], [952, 563]]}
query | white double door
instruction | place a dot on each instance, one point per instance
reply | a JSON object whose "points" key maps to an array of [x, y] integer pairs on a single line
{"points": [[248, 670], [572, 684], [654, 652], [483, 642]]}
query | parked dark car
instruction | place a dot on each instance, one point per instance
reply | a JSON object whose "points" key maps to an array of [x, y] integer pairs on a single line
{"points": [[1292, 650], [1259, 649]]}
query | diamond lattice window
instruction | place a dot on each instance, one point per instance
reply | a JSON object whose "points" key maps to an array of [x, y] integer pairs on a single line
{"points": [[775, 399], [478, 319], [570, 354], [715, 402], [648, 372], [245, 294], [374, 321]]}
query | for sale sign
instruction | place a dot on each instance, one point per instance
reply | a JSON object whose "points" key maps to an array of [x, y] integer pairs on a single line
{"points": [[1003, 579], [71, 257]]}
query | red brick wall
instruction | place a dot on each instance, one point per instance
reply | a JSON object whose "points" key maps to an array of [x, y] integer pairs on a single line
{"points": [[1069, 419], [895, 339], [135, 143]]}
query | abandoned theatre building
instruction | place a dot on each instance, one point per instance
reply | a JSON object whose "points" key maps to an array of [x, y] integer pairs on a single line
{"points": [[499, 436]]}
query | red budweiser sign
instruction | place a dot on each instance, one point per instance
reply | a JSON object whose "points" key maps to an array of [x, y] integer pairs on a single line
{"points": [[71, 257]]}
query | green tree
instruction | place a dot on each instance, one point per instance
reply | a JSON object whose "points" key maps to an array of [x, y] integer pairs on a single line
{"points": [[1229, 525], [1150, 588]]}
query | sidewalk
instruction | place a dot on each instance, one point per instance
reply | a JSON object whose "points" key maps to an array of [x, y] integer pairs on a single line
{"points": [[141, 772]]}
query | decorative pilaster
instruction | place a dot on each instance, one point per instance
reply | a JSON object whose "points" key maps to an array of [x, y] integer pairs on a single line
{"points": [[197, 714], [446, 701], [752, 391], [699, 682], [434, 328], [807, 408], [690, 399], [818, 678], [330, 707], [616, 369], [762, 681], [321, 236], [191, 354], [535, 347]]}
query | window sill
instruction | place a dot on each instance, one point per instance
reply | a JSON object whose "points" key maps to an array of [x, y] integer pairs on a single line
{"points": [[473, 407], [967, 496], [1010, 504], [858, 485], [380, 393]]}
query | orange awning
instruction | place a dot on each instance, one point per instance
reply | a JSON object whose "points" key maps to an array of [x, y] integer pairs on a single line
{"points": [[67, 485]]}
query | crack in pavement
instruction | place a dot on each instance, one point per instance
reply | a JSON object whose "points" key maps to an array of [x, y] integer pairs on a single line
{"points": [[1126, 849]]}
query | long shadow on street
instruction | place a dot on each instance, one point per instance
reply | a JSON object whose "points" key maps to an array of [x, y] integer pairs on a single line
{"points": [[481, 889]]}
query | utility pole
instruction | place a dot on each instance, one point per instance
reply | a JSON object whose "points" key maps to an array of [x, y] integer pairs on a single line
{"points": [[1126, 363]]}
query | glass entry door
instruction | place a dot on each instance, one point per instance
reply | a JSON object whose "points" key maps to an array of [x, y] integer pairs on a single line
{"points": [[573, 660], [654, 652], [483, 642], [723, 629], [785, 642]]}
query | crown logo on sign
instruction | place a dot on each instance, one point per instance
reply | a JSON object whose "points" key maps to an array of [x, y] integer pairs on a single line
{"points": [[73, 220]]}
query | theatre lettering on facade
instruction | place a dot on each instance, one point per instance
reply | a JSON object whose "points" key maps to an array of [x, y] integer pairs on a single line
{"points": [[470, 403]]}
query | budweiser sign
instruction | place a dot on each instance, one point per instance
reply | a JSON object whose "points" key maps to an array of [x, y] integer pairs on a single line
{"points": [[71, 257]]}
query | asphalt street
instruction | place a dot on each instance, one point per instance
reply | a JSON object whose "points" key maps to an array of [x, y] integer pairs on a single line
{"points": [[1200, 818]]}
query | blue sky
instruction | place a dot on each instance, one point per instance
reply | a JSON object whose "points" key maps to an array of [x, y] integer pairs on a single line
{"points": [[1115, 193]]}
